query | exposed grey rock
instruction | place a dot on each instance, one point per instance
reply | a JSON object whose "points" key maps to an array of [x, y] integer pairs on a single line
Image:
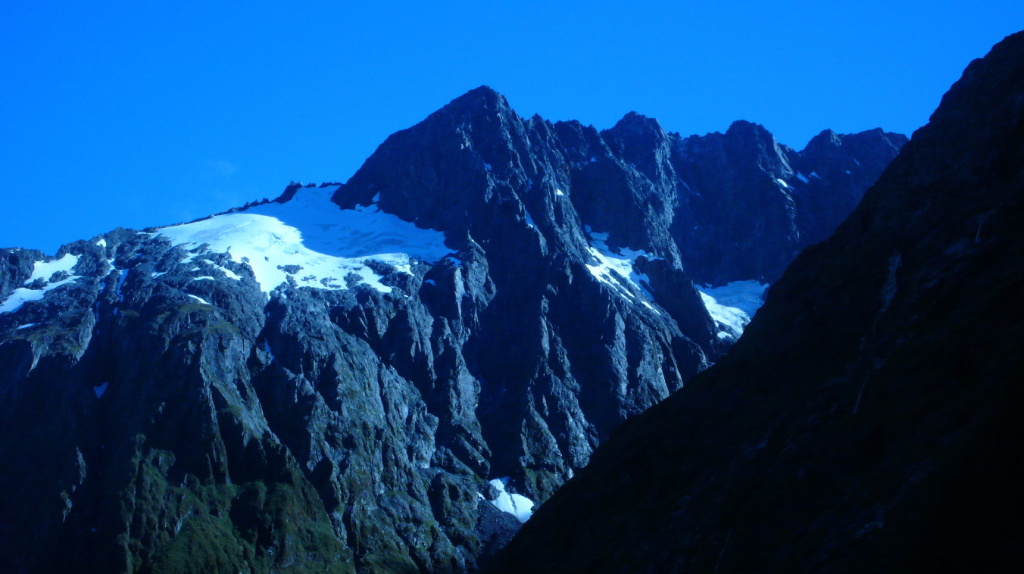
{"points": [[158, 414], [869, 418]]}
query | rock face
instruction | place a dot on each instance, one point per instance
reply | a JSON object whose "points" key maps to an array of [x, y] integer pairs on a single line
{"points": [[869, 419], [301, 385]]}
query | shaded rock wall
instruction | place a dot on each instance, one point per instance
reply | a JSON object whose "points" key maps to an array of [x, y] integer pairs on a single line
{"points": [[868, 420], [157, 414]]}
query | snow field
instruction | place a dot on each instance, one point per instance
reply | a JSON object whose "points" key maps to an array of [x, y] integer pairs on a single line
{"points": [[732, 306], [514, 504], [313, 241], [41, 270], [613, 268]]}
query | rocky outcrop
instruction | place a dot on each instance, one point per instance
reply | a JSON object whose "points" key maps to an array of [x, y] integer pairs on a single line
{"points": [[272, 389], [751, 204], [868, 420]]}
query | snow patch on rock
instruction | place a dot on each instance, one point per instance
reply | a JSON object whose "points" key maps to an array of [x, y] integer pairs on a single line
{"points": [[515, 504], [42, 270], [328, 245], [733, 305], [615, 268]]}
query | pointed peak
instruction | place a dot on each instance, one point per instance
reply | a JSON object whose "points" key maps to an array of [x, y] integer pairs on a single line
{"points": [[743, 127], [483, 98], [634, 121], [636, 127], [485, 90], [828, 134], [827, 139]]}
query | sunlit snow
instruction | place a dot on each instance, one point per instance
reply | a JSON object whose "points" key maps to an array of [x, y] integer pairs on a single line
{"points": [[514, 504], [46, 269], [613, 268], [313, 240], [200, 299], [732, 306], [229, 273], [42, 270]]}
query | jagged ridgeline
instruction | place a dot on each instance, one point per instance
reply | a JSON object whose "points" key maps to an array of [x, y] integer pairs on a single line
{"points": [[387, 375], [870, 418]]}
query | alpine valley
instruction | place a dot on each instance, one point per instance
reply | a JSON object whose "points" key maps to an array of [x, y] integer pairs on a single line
{"points": [[387, 375]]}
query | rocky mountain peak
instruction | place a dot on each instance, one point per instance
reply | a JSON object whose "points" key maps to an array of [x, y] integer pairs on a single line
{"points": [[825, 140], [754, 145], [480, 100], [642, 143], [386, 374], [637, 127], [867, 144], [871, 409], [479, 115], [750, 131]]}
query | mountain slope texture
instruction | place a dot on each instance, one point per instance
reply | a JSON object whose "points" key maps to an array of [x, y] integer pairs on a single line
{"points": [[870, 417], [387, 375]]}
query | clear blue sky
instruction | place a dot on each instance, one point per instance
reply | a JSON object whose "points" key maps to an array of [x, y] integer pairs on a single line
{"points": [[141, 113]]}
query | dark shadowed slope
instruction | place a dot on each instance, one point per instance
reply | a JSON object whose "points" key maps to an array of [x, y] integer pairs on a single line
{"points": [[341, 379], [870, 417]]}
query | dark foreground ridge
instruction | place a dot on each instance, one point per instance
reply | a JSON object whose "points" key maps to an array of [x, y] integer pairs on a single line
{"points": [[870, 418], [482, 304]]}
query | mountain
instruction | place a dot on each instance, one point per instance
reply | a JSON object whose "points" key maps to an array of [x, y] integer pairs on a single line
{"points": [[869, 418], [386, 375]]}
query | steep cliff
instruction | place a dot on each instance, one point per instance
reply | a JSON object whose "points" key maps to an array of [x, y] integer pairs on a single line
{"points": [[869, 418], [385, 375]]}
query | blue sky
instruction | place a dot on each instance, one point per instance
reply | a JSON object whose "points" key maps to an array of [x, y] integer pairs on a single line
{"points": [[134, 114]]}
